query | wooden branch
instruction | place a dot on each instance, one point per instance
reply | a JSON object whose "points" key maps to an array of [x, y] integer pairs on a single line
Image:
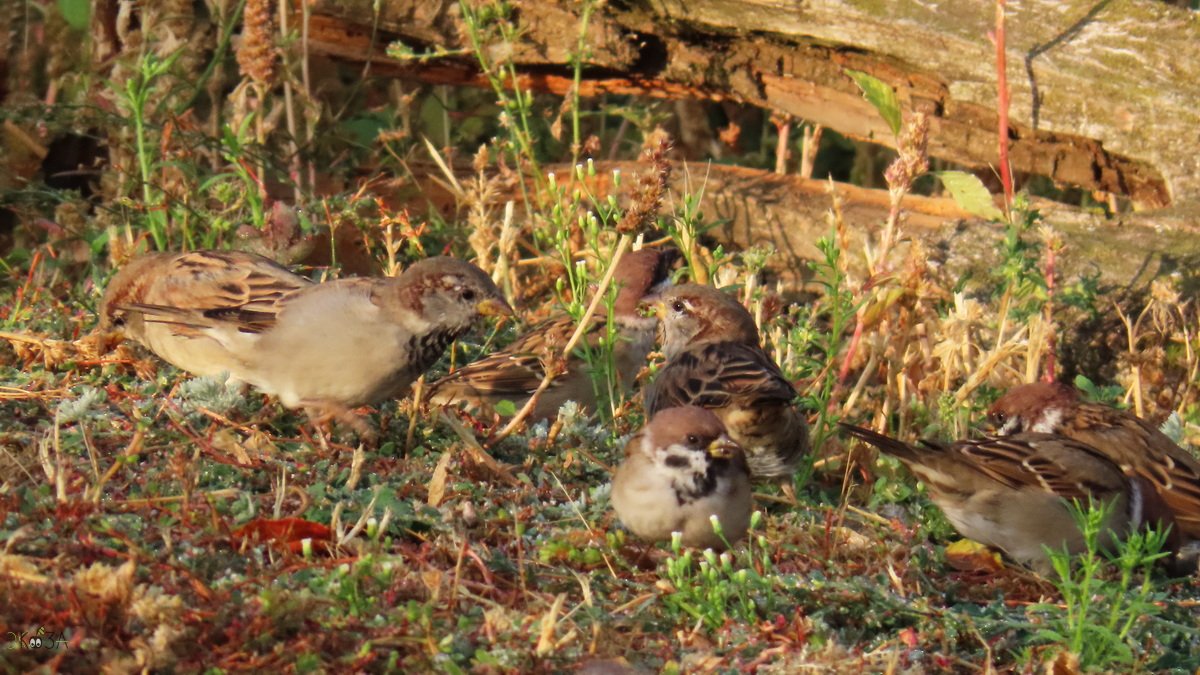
{"points": [[1105, 88], [791, 213]]}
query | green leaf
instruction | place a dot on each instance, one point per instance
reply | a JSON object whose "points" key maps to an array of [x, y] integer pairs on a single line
{"points": [[506, 408], [1088, 387], [879, 95], [76, 12], [968, 191]]}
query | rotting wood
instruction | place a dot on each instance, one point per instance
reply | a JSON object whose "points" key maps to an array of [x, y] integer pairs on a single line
{"points": [[791, 213], [1107, 87]]}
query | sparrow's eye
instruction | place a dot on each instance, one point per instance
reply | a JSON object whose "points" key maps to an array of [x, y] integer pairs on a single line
{"points": [[692, 439], [998, 418], [468, 295], [678, 306]]}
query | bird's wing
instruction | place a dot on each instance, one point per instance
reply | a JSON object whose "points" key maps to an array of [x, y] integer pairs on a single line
{"points": [[513, 372], [1053, 463], [1142, 450], [714, 375], [202, 289]]}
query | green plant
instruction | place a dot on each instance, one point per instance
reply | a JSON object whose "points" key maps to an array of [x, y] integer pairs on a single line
{"points": [[577, 210], [733, 586], [1099, 618], [496, 19], [685, 227], [1110, 394], [1023, 282], [577, 58], [817, 336], [234, 150], [135, 97]]}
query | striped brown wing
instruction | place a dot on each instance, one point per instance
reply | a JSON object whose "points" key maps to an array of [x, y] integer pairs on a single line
{"points": [[717, 375], [191, 290], [1142, 450], [1053, 463], [515, 371]]}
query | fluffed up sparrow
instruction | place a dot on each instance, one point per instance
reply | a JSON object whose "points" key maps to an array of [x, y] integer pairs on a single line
{"points": [[714, 361], [325, 347], [1013, 493], [678, 472], [1134, 445], [515, 373]]}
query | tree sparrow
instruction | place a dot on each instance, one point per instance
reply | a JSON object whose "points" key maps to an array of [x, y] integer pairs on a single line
{"points": [[1012, 493], [1137, 447], [680, 471], [714, 361], [515, 373]]}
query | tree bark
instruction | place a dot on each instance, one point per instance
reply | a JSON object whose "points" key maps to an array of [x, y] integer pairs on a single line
{"points": [[1103, 93], [1104, 97], [790, 213]]}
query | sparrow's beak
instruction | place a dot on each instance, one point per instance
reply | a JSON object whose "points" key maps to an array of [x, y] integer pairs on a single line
{"points": [[494, 307], [650, 305], [723, 448]]}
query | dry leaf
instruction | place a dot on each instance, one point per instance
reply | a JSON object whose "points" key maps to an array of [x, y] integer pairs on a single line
{"points": [[437, 483], [20, 568], [432, 579], [971, 556], [1063, 663], [228, 442], [546, 640]]}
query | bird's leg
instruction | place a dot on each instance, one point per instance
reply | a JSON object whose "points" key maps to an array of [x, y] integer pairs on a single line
{"points": [[642, 555], [324, 413], [322, 425]]}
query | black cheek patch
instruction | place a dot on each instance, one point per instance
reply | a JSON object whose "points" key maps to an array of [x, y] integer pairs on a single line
{"points": [[677, 462]]}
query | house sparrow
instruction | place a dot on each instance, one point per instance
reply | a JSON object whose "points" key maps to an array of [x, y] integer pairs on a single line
{"points": [[1012, 493], [1133, 444], [678, 472], [714, 361], [326, 347], [216, 282], [514, 373]]}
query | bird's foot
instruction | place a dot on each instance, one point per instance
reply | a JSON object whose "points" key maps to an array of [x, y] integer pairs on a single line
{"points": [[324, 413]]}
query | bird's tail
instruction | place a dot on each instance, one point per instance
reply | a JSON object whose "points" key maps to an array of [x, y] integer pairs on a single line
{"points": [[891, 446]]}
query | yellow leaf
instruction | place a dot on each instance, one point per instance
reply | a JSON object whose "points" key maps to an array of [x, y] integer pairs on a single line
{"points": [[546, 640], [437, 483], [971, 556]]}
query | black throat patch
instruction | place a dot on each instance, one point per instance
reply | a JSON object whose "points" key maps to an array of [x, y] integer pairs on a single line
{"points": [[695, 485]]}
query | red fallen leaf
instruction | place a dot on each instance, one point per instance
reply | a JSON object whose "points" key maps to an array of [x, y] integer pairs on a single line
{"points": [[909, 637], [288, 533]]}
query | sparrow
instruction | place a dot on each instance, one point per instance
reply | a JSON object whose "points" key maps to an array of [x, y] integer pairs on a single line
{"points": [[1137, 447], [515, 373], [326, 347], [1013, 493], [679, 471], [714, 361], [213, 281]]}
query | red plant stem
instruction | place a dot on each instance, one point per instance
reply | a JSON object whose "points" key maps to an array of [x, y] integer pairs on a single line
{"points": [[25, 288], [1002, 104], [1051, 334], [852, 348]]}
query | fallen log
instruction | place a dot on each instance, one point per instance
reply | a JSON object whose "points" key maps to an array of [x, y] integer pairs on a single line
{"points": [[753, 207], [1099, 90]]}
